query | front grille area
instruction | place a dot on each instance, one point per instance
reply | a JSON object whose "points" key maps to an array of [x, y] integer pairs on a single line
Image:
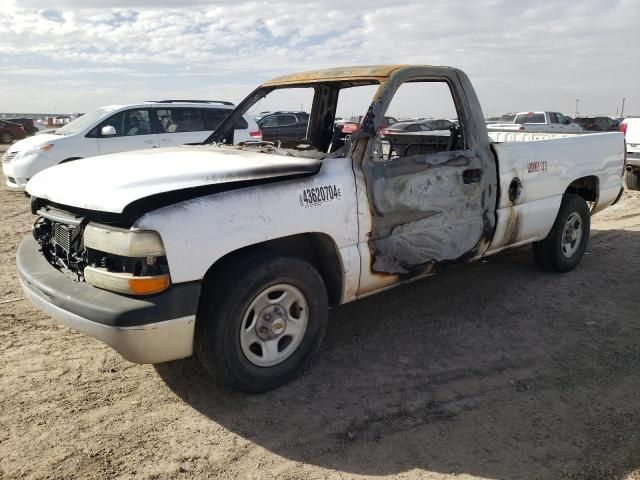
{"points": [[67, 237], [9, 156], [62, 244]]}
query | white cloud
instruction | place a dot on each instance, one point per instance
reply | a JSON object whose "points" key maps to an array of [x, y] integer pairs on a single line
{"points": [[520, 55]]}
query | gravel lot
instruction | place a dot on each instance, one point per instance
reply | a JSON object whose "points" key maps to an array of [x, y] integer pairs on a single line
{"points": [[493, 370]]}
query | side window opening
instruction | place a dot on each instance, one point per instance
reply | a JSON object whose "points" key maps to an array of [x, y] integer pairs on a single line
{"points": [[428, 121], [115, 121]]}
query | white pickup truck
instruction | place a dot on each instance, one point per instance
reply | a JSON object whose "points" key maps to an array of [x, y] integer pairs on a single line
{"points": [[631, 129], [235, 252], [547, 122]]}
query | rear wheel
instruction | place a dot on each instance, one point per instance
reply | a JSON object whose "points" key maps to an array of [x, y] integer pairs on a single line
{"points": [[632, 179], [261, 320], [6, 137], [564, 247]]}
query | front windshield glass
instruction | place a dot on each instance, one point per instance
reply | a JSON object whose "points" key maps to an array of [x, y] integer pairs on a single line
{"points": [[85, 121]]}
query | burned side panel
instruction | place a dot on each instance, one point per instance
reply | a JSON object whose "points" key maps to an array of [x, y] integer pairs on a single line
{"points": [[428, 209]]}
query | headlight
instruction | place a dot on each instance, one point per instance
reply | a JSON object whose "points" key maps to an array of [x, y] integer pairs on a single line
{"points": [[123, 242], [40, 149], [125, 261]]}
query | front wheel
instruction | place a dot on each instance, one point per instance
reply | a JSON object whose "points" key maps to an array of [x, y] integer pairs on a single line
{"points": [[564, 247], [261, 320], [6, 137]]}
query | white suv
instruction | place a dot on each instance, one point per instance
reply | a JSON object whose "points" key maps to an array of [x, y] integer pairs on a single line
{"points": [[119, 128]]}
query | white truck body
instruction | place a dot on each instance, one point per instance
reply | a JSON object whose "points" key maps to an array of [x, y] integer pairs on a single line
{"points": [[374, 221], [546, 168]]}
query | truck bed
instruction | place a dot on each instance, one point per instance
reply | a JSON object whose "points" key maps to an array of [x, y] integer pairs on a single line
{"points": [[545, 165]]}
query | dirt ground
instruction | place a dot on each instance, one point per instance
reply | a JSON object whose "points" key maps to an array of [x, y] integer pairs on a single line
{"points": [[494, 370]]}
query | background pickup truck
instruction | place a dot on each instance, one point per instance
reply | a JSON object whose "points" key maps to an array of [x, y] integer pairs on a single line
{"points": [[550, 122], [630, 127], [235, 252]]}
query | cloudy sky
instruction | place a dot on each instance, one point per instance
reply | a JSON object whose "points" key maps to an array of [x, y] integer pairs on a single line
{"points": [[75, 55]]}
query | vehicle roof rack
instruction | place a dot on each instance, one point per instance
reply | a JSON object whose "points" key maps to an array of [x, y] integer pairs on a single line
{"points": [[221, 102]]}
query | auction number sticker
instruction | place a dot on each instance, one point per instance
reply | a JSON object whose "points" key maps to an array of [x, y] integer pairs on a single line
{"points": [[312, 197], [537, 166]]}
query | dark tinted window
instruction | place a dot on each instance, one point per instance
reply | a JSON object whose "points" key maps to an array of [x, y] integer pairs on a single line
{"points": [[270, 121], [553, 118], [213, 117], [529, 118], [287, 120], [176, 120]]}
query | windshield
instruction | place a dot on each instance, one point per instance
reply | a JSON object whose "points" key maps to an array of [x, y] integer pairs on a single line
{"points": [[85, 121], [301, 120]]}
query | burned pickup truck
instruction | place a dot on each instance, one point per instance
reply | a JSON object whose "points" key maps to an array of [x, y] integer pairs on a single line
{"points": [[235, 252]]}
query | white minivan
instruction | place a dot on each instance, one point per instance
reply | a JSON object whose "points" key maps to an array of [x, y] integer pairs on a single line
{"points": [[119, 128]]}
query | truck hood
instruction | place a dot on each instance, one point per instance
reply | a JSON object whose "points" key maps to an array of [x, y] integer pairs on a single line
{"points": [[111, 182]]}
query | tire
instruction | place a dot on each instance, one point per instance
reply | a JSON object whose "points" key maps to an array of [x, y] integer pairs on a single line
{"points": [[6, 137], [632, 180], [558, 252], [233, 327]]}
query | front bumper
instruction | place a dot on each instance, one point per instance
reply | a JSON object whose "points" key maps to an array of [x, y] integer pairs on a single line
{"points": [[150, 329], [13, 182]]}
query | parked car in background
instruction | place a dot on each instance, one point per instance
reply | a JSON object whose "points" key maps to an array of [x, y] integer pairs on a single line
{"points": [[286, 127], [11, 131], [27, 123], [405, 127], [598, 124], [441, 124], [352, 125], [630, 127], [547, 122], [119, 128]]}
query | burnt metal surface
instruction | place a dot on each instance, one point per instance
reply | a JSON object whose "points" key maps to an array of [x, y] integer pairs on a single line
{"points": [[332, 74], [429, 209]]}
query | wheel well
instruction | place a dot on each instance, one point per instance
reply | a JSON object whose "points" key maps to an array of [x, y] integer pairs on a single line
{"points": [[585, 187], [316, 248]]}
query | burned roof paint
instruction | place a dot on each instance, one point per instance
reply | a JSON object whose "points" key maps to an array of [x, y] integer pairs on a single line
{"points": [[342, 73]]}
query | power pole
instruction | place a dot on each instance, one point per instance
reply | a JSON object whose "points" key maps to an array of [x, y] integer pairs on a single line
{"points": [[622, 109], [577, 101]]}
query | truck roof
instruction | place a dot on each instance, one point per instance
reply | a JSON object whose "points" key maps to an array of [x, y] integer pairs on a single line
{"points": [[367, 72]]}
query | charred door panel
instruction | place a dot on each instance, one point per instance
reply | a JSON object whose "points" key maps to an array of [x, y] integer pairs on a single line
{"points": [[431, 196], [425, 210]]}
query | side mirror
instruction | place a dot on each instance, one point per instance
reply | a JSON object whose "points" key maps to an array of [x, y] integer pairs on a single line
{"points": [[108, 131]]}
